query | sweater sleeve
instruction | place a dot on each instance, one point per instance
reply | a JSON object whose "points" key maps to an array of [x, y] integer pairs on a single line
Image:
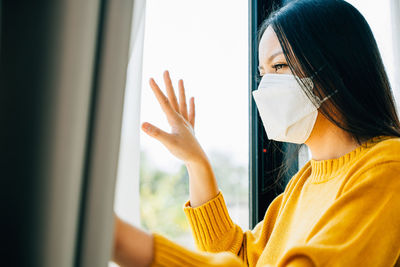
{"points": [[167, 253], [361, 228], [214, 231]]}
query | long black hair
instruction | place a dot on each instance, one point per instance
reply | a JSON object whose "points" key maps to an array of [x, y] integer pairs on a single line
{"points": [[331, 41]]}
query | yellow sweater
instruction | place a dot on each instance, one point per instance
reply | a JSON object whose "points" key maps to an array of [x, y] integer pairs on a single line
{"points": [[336, 212]]}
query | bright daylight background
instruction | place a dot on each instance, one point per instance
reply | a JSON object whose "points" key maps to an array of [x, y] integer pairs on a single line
{"points": [[378, 16], [206, 44]]}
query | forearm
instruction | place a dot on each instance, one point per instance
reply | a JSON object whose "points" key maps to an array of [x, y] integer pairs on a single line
{"points": [[202, 183], [132, 246]]}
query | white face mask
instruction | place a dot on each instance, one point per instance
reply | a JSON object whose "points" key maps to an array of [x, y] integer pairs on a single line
{"points": [[287, 113]]}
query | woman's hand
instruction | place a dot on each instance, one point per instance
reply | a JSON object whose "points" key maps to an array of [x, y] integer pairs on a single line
{"points": [[181, 142]]}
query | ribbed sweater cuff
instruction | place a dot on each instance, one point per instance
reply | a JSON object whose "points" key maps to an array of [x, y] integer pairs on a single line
{"points": [[209, 222]]}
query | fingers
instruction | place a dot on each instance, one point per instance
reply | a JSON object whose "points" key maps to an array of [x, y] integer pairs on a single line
{"points": [[170, 91], [155, 132], [164, 102], [192, 112], [182, 100]]}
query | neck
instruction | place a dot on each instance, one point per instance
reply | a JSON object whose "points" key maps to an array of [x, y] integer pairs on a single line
{"points": [[327, 141]]}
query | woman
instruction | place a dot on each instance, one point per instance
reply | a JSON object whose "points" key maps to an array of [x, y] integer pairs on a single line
{"points": [[323, 84]]}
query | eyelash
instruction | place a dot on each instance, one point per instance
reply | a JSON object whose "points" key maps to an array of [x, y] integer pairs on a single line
{"points": [[277, 65], [281, 65]]}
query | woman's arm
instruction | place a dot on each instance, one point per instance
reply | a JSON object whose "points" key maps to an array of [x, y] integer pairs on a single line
{"points": [[202, 183], [182, 143], [132, 246]]}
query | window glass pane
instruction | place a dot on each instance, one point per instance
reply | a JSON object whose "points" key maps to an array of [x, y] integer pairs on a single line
{"points": [[378, 16], [206, 46]]}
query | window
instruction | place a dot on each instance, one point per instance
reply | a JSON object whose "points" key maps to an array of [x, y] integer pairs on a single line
{"points": [[199, 42], [381, 19]]}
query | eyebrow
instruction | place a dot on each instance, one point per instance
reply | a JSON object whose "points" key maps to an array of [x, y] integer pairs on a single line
{"points": [[274, 55]]}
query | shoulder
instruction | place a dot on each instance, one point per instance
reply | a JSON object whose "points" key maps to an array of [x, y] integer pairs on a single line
{"points": [[386, 150], [386, 146], [378, 166]]}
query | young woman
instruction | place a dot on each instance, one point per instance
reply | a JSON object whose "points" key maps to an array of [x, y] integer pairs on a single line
{"points": [[323, 84]]}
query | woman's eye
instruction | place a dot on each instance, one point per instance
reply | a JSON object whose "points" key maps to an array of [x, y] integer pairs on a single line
{"points": [[278, 66]]}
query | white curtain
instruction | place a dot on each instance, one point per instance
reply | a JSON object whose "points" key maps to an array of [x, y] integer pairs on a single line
{"points": [[127, 189], [395, 7]]}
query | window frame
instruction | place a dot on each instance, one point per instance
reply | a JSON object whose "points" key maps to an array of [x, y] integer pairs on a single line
{"points": [[265, 156]]}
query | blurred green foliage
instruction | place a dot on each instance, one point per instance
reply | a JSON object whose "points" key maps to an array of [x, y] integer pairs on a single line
{"points": [[163, 194]]}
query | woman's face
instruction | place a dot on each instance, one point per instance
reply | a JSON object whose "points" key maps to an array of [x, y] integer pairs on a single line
{"points": [[272, 60], [270, 55]]}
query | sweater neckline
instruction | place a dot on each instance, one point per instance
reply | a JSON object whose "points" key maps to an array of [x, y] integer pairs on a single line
{"points": [[323, 170]]}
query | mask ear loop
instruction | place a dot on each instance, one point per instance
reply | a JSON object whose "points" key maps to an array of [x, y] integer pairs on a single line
{"points": [[328, 96], [325, 98]]}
